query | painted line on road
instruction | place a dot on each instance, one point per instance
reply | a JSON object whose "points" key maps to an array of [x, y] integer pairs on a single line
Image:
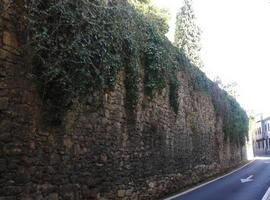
{"points": [[266, 196], [199, 186], [246, 180]]}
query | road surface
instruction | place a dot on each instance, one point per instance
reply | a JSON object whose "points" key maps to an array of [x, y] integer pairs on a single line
{"points": [[253, 186]]}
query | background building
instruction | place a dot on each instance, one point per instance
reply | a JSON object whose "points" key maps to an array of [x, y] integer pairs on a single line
{"points": [[261, 140]]}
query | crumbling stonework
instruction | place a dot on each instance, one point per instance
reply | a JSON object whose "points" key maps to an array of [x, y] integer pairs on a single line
{"points": [[98, 153]]}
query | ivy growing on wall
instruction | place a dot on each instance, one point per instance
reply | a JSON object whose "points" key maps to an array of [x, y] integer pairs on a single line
{"points": [[77, 47], [235, 119]]}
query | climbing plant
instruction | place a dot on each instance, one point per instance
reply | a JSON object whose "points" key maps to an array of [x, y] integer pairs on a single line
{"points": [[79, 47]]}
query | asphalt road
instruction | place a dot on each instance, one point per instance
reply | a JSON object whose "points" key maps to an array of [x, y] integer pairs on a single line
{"points": [[231, 188]]}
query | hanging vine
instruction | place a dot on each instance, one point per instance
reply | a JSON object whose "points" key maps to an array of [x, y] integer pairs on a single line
{"points": [[77, 47]]}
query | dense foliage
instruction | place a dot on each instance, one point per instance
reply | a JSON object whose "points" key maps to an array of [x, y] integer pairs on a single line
{"points": [[79, 47], [156, 16], [187, 33], [235, 119]]}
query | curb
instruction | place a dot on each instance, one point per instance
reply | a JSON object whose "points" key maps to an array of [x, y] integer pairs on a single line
{"points": [[199, 186]]}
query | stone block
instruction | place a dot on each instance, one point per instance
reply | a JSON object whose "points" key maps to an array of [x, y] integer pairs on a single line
{"points": [[9, 39], [4, 103], [3, 165], [53, 196], [121, 193]]}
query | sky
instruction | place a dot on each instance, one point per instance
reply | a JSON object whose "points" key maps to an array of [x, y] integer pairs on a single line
{"points": [[235, 45]]}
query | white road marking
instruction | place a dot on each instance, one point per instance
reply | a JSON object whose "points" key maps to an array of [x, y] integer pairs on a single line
{"points": [[266, 196], [248, 179]]}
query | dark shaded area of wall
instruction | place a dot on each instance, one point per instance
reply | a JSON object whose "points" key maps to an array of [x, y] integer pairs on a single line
{"points": [[97, 153]]}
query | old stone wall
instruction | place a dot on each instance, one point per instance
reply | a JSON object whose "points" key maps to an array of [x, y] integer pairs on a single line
{"points": [[159, 154], [98, 152]]}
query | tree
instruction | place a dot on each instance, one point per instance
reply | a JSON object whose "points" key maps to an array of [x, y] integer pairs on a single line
{"points": [[155, 16], [160, 17], [230, 87], [187, 33]]}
